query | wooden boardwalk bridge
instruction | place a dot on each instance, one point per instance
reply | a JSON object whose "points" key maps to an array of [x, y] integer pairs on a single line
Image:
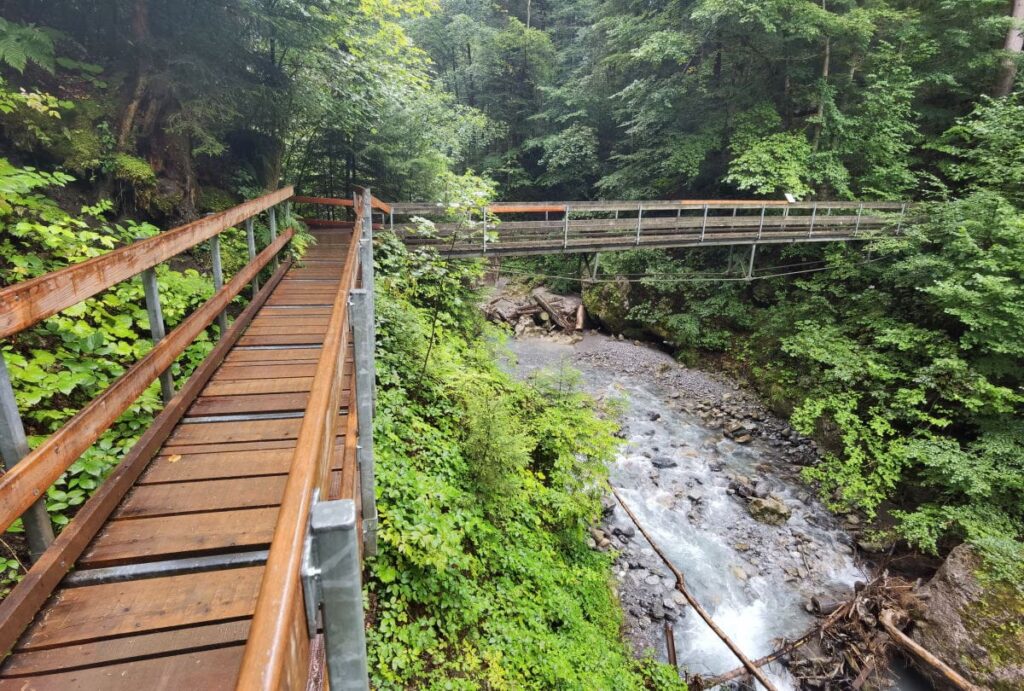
{"points": [[225, 550]]}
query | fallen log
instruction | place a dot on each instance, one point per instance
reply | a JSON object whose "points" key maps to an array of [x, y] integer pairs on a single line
{"points": [[922, 654], [556, 316], [740, 671], [681, 587]]}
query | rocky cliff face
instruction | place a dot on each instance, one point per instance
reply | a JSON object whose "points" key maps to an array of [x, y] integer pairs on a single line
{"points": [[976, 628]]}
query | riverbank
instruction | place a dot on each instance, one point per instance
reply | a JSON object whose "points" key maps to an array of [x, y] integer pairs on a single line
{"points": [[714, 477]]}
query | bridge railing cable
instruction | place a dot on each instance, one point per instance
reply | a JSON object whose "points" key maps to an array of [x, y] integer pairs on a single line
{"points": [[29, 474]]}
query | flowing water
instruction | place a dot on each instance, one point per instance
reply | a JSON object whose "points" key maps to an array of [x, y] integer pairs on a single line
{"points": [[754, 579]]}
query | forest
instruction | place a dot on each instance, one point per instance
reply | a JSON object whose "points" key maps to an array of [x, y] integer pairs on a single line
{"points": [[901, 357]]}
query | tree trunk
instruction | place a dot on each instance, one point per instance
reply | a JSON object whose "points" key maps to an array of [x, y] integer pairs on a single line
{"points": [[1013, 45], [140, 39], [825, 70]]}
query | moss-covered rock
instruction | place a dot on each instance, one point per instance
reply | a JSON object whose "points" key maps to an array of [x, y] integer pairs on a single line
{"points": [[215, 199], [974, 625], [608, 304], [132, 171]]}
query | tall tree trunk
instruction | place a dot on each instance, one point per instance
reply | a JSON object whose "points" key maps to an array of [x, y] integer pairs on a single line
{"points": [[1013, 45], [826, 69], [140, 39]]}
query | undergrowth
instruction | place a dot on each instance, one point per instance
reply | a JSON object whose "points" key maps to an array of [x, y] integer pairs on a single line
{"points": [[486, 486]]}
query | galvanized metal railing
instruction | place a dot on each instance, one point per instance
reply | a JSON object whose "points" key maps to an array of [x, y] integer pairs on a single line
{"points": [[586, 226]]}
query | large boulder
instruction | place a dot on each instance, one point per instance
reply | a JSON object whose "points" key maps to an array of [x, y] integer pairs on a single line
{"points": [[975, 627], [608, 303], [769, 510]]}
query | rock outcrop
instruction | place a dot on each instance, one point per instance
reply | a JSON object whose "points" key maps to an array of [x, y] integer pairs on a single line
{"points": [[975, 628]]}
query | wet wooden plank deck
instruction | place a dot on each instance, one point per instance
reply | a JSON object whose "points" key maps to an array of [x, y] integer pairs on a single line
{"points": [[212, 490]]}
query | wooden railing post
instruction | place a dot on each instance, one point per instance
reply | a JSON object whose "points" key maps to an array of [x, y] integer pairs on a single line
{"points": [[157, 329], [14, 447]]}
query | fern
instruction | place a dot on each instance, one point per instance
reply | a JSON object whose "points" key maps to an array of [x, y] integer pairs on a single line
{"points": [[20, 45]]}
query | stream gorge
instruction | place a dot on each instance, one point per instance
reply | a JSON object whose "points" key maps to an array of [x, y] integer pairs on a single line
{"points": [[713, 478]]}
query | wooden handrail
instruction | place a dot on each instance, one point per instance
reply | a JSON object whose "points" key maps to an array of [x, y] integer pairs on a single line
{"points": [[19, 608], [323, 201], [273, 647], [27, 303], [375, 203], [29, 479]]}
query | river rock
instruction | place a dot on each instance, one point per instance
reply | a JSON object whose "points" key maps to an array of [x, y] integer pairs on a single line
{"points": [[626, 531], [770, 511], [663, 462], [653, 579], [977, 629]]}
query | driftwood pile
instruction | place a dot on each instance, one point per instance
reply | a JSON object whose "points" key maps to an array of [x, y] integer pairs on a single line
{"points": [[540, 308], [852, 644]]}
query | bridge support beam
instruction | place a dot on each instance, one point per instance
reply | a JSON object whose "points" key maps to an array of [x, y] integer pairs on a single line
{"points": [[332, 582], [14, 447]]}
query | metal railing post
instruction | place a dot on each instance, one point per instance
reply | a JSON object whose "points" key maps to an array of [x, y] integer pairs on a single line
{"points": [[367, 261], [365, 382], [565, 229], [272, 220], [250, 241], [218, 280], [485, 229], [814, 215], [761, 226], [639, 223], [704, 225], [14, 447], [750, 267], [336, 571], [903, 213], [860, 210], [156, 328]]}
